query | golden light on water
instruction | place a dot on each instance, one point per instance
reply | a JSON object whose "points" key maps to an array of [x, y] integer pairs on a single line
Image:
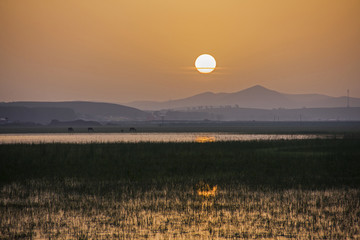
{"points": [[207, 191], [203, 139]]}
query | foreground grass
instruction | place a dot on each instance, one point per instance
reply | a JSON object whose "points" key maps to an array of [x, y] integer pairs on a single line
{"points": [[277, 164], [266, 189]]}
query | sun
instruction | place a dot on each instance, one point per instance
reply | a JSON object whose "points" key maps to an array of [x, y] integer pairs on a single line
{"points": [[205, 63]]}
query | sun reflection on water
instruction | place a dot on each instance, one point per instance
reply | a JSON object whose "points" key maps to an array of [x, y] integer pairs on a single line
{"points": [[204, 139]]}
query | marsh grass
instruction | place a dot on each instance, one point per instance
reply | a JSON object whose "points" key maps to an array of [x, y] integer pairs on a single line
{"points": [[43, 209], [300, 189]]}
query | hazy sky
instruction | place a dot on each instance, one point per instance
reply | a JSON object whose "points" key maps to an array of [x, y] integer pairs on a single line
{"points": [[120, 51]]}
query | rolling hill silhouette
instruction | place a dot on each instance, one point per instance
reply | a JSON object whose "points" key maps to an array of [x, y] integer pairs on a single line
{"points": [[44, 112], [255, 103], [253, 97]]}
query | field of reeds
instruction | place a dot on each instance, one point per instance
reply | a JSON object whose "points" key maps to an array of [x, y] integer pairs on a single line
{"points": [[286, 189]]}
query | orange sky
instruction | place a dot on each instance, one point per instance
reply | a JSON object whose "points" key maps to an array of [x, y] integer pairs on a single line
{"points": [[120, 51]]}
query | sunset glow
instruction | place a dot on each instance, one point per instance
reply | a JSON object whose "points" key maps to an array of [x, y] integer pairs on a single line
{"points": [[121, 51], [206, 119], [205, 63]]}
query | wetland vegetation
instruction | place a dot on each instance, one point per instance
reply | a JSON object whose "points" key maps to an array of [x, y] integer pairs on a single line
{"points": [[259, 189]]}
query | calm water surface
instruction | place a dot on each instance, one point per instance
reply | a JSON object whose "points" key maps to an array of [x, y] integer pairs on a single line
{"points": [[142, 137]]}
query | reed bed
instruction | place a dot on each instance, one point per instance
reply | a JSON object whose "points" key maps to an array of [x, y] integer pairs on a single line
{"points": [[298, 189]]}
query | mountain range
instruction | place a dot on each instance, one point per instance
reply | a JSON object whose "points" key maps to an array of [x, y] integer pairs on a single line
{"points": [[254, 97], [253, 104]]}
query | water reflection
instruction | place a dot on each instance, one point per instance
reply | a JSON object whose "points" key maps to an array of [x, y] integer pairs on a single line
{"points": [[204, 139], [142, 137]]}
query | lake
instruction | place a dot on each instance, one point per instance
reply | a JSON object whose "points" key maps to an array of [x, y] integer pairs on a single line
{"points": [[144, 137]]}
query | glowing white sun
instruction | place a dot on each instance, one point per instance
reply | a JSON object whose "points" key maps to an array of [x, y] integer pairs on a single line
{"points": [[205, 63]]}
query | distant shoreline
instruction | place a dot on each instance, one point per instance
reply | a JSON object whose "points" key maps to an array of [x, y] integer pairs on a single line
{"points": [[245, 127]]}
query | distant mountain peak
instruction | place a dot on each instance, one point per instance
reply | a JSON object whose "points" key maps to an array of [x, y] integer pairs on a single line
{"points": [[256, 96], [258, 88]]}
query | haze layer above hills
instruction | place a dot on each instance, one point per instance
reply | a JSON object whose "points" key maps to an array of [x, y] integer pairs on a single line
{"points": [[253, 97]]}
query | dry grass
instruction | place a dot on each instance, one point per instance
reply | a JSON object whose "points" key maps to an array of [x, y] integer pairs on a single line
{"points": [[204, 190], [303, 189], [84, 210]]}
